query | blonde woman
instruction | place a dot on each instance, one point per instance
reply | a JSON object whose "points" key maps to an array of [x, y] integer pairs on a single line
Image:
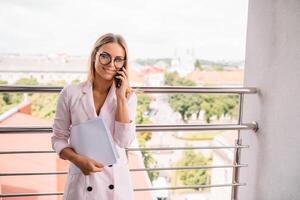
{"points": [[105, 93]]}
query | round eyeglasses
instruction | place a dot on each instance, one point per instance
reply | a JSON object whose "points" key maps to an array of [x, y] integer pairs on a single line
{"points": [[105, 59]]}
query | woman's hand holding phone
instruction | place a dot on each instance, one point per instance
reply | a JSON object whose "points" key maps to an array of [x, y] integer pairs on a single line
{"points": [[123, 76], [118, 81]]}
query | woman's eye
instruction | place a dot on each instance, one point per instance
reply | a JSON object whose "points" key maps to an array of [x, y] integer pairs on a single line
{"points": [[105, 57], [119, 60]]}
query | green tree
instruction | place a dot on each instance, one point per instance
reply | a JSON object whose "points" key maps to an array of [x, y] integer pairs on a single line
{"points": [[57, 82], [198, 65], [217, 67], [231, 106], [187, 104], [195, 176], [8, 100], [142, 137], [171, 78], [220, 105], [2, 82], [27, 81], [76, 81], [43, 105]]}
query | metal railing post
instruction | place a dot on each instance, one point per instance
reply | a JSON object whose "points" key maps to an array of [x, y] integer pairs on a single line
{"points": [[237, 152], [235, 171]]}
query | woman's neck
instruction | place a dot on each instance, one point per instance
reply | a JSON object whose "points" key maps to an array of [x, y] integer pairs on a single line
{"points": [[101, 86]]}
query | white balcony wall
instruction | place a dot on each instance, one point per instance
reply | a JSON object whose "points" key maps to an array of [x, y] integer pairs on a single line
{"points": [[272, 65]]}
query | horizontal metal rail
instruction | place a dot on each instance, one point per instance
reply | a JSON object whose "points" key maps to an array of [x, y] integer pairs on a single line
{"points": [[145, 89], [30, 194], [132, 170], [33, 173], [139, 149], [194, 89], [188, 168], [190, 187], [186, 148], [136, 190], [139, 128], [196, 127], [25, 152]]}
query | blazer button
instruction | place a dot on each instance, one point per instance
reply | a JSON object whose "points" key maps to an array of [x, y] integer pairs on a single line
{"points": [[110, 165], [111, 187], [89, 188]]}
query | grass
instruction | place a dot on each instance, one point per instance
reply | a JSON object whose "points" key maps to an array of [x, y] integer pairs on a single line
{"points": [[203, 135]]}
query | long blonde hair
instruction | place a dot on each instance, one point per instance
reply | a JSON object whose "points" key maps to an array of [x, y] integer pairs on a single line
{"points": [[104, 39]]}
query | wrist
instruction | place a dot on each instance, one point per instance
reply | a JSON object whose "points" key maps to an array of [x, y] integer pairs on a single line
{"points": [[121, 99], [75, 158]]}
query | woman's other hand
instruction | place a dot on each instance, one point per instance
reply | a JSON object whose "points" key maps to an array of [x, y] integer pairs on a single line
{"points": [[88, 165]]}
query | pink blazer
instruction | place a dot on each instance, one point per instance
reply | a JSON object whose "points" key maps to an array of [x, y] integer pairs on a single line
{"points": [[75, 105]]}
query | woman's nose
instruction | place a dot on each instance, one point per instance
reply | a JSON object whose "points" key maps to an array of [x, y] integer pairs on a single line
{"points": [[111, 65]]}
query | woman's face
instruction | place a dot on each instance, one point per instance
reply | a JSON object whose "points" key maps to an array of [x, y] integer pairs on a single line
{"points": [[116, 54]]}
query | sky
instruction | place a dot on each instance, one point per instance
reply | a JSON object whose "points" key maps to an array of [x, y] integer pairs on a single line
{"points": [[214, 29]]}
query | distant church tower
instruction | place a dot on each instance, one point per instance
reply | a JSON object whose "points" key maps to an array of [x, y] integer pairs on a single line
{"points": [[183, 61]]}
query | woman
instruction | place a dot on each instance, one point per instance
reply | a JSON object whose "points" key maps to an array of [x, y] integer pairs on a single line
{"points": [[98, 96]]}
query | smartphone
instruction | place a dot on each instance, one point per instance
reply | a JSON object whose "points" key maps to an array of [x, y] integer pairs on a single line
{"points": [[118, 81]]}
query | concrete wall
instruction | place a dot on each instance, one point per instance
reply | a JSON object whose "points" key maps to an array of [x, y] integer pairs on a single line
{"points": [[273, 66]]}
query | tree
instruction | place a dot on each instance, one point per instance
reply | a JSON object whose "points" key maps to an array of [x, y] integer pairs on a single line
{"points": [[76, 81], [9, 100], [57, 82], [43, 105], [2, 82], [195, 176], [219, 105], [212, 105], [27, 81], [198, 65], [142, 137], [185, 104], [171, 78]]}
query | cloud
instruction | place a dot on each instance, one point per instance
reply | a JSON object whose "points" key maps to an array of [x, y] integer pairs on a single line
{"points": [[215, 29]]}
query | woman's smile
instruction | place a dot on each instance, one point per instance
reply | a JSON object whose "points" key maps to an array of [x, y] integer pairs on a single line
{"points": [[110, 71]]}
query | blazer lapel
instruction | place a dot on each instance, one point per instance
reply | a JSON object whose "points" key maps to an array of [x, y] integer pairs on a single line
{"points": [[110, 102], [87, 101]]}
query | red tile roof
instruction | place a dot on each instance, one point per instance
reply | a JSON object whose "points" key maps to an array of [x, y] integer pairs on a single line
{"points": [[217, 77]]}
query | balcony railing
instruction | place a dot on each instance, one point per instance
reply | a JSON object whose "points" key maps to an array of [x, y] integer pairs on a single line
{"points": [[241, 91]]}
